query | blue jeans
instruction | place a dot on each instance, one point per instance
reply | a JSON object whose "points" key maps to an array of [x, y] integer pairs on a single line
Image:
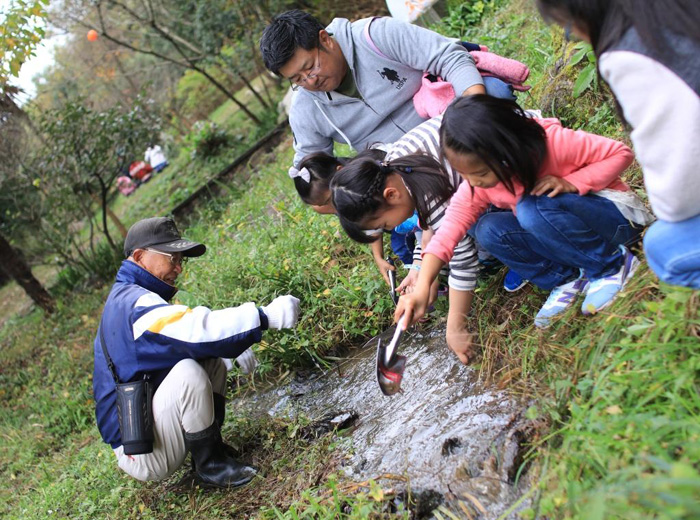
{"points": [[497, 88], [673, 251], [402, 245], [550, 239]]}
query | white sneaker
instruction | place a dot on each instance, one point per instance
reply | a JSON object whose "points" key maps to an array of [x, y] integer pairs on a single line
{"points": [[603, 291], [560, 299]]}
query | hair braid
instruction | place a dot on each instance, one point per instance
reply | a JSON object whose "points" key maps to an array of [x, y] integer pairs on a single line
{"points": [[375, 186]]}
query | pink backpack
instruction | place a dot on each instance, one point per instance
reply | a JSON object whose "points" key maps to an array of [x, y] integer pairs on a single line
{"points": [[435, 94]]}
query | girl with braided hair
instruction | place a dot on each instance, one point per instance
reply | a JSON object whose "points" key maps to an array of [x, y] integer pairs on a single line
{"points": [[312, 180], [371, 196]]}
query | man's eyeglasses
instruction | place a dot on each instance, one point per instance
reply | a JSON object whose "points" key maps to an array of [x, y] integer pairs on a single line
{"points": [[174, 260], [298, 81]]}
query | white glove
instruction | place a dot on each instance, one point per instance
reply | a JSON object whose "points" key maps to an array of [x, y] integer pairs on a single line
{"points": [[247, 361], [282, 312]]}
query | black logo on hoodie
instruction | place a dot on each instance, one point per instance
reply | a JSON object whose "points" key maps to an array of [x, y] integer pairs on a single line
{"points": [[392, 76]]}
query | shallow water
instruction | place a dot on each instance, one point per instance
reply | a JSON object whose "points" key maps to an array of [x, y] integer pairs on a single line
{"points": [[446, 432]]}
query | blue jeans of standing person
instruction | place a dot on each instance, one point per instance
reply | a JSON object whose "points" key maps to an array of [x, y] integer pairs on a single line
{"points": [[497, 88], [673, 251], [402, 244], [551, 239]]}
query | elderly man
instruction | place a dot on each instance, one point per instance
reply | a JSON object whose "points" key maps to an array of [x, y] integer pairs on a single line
{"points": [[178, 351], [356, 80]]}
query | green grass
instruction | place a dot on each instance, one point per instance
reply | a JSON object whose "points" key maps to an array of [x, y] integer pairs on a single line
{"points": [[618, 391], [264, 242]]}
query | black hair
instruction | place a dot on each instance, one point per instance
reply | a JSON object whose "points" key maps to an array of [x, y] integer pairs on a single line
{"points": [[357, 189], [285, 34], [322, 167], [511, 144], [606, 21]]}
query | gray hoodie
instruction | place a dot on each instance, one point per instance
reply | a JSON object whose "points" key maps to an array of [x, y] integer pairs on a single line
{"points": [[386, 84]]}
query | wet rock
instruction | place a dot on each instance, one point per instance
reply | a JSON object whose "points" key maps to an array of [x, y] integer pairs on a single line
{"points": [[451, 446], [332, 421], [303, 383], [344, 420]]}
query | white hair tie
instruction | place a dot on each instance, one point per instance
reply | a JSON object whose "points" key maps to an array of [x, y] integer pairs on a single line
{"points": [[304, 173]]}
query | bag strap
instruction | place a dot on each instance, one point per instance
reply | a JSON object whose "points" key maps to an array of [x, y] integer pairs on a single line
{"points": [[110, 365], [369, 39]]}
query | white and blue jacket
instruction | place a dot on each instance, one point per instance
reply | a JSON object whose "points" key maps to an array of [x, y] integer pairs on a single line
{"points": [[147, 335]]}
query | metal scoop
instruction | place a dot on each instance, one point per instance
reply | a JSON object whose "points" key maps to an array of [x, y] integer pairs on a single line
{"points": [[392, 281], [390, 366]]}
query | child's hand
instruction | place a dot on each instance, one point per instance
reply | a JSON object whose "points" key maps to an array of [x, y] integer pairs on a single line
{"points": [[413, 305], [555, 186], [383, 266], [460, 342], [408, 284]]}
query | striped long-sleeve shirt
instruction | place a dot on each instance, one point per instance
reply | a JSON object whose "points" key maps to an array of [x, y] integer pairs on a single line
{"points": [[425, 139]]}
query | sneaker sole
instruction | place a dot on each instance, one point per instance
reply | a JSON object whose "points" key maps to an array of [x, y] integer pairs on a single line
{"points": [[543, 325], [515, 289], [592, 310]]}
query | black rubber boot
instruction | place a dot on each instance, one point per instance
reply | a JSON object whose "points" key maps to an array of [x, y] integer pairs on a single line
{"points": [[219, 417], [213, 466], [219, 409]]}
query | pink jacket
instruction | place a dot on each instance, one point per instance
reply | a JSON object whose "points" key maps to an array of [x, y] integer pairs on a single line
{"points": [[506, 69], [588, 161], [433, 98]]}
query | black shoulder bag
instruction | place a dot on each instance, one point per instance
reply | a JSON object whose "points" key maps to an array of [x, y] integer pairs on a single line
{"points": [[134, 409]]}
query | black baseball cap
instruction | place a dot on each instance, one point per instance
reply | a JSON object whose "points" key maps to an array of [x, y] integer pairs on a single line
{"points": [[160, 233]]}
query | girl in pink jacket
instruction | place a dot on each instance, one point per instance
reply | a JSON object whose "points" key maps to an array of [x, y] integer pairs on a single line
{"points": [[545, 200]]}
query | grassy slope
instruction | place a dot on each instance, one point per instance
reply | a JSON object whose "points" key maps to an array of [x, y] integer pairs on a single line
{"points": [[620, 388], [51, 458], [184, 175]]}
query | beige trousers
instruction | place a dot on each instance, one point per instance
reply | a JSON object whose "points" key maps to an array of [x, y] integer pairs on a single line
{"points": [[182, 403]]}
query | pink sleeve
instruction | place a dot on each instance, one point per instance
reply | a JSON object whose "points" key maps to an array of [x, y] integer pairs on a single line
{"points": [[461, 214], [595, 162]]}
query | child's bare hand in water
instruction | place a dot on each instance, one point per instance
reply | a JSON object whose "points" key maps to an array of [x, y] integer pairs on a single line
{"points": [[460, 342], [553, 185]]}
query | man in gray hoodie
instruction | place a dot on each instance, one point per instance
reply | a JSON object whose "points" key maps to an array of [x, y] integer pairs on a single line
{"points": [[356, 80]]}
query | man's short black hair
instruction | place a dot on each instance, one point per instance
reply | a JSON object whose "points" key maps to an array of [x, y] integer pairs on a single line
{"points": [[285, 34]]}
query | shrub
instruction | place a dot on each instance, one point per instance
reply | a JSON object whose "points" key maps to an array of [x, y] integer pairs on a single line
{"points": [[207, 139]]}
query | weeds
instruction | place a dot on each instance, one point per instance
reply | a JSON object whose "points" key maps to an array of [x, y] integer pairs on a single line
{"points": [[588, 75]]}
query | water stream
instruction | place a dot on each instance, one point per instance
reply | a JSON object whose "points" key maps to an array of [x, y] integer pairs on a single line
{"points": [[447, 433]]}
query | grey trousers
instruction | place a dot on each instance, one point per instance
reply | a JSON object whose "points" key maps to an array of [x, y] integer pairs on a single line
{"points": [[182, 403]]}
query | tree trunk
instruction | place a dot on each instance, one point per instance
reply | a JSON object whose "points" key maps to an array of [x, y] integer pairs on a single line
{"points": [[229, 95], [15, 266], [230, 73], [112, 216], [103, 190]]}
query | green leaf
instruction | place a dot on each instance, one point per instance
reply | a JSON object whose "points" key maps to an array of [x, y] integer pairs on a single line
{"points": [[577, 57], [584, 79]]}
